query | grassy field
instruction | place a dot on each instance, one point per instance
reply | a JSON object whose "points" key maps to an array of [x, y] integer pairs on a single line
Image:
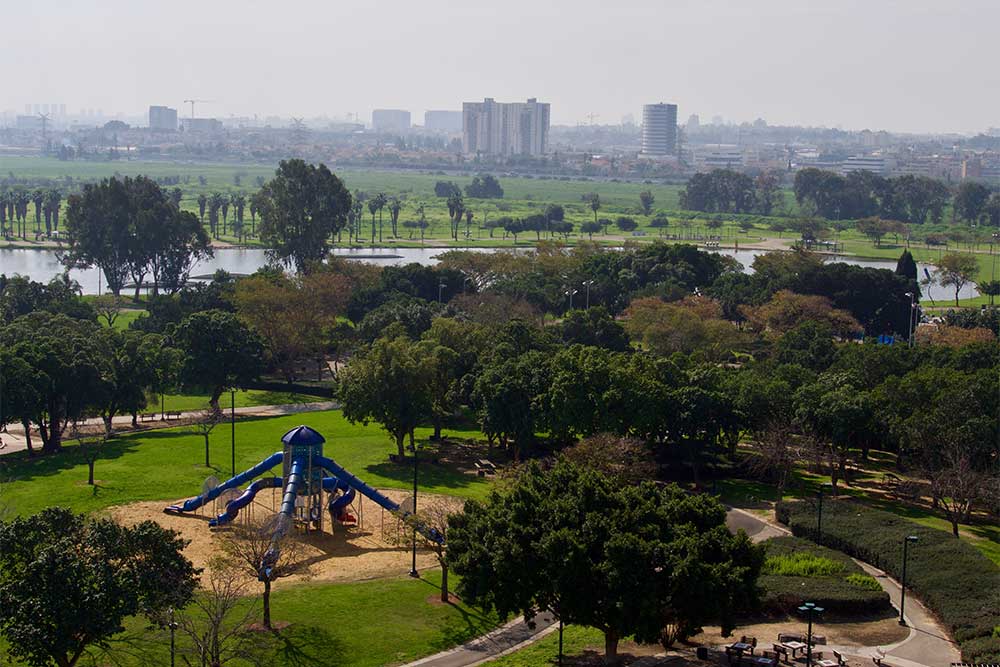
{"points": [[363, 624], [577, 640], [169, 464]]}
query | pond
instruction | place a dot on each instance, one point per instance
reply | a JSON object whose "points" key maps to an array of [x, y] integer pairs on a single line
{"points": [[43, 265]]}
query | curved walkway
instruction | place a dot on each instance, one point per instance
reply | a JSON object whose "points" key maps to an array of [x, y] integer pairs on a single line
{"points": [[927, 645]]}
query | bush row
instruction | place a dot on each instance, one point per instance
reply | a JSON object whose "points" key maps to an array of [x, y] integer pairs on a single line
{"points": [[838, 584], [952, 578]]}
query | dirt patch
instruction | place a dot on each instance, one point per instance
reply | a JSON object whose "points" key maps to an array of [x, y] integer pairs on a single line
{"points": [[435, 600], [377, 547], [853, 632]]}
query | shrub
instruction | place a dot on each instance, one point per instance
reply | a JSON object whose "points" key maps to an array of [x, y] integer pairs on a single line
{"points": [[951, 577], [802, 564], [865, 581], [797, 571]]}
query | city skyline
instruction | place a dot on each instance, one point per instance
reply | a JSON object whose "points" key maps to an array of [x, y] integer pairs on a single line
{"points": [[916, 67]]}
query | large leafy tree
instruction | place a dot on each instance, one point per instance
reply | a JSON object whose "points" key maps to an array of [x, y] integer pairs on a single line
{"points": [[100, 226], [649, 562], [221, 352], [301, 208], [68, 583], [389, 385], [57, 364], [956, 270]]}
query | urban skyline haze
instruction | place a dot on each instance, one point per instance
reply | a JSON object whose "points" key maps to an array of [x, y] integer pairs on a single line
{"points": [[899, 65]]}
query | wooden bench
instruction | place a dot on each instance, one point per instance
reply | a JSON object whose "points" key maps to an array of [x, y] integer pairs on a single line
{"points": [[781, 652], [147, 416], [172, 414]]}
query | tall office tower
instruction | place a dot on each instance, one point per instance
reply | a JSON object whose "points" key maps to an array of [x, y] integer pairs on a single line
{"points": [[162, 118], [390, 120], [659, 129], [518, 128]]}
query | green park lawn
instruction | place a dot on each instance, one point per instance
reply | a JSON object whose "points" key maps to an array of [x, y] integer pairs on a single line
{"points": [[362, 624], [169, 465], [577, 640]]}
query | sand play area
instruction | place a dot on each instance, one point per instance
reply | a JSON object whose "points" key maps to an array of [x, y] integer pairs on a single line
{"points": [[379, 546]]}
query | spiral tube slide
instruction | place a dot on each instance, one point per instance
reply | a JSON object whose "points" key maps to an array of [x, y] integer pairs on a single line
{"points": [[235, 482]]}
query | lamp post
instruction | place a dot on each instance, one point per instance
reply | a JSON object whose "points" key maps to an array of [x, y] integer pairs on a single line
{"points": [[819, 513], [232, 429], [588, 283], [570, 293], [173, 628], [810, 610], [902, 599], [413, 561], [913, 317], [440, 289]]}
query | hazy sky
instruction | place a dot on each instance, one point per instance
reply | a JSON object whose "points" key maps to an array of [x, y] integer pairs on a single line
{"points": [[908, 65]]}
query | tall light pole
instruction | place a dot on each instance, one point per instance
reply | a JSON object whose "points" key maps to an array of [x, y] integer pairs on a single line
{"points": [[810, 610], [588, 283], [232, 422], [413, 561], [440, 290], [173, 628], [913, 317], [902, 599], [570, 293]]}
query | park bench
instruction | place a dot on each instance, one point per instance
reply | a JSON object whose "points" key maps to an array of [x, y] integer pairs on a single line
{"points": [[485, 467], [173, 414], [147, 416], [838, 660], [782, 652]]}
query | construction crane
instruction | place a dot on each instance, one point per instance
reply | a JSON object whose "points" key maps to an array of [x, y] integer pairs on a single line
{"points": [[45, 121], [192, 103], [592, 117]]}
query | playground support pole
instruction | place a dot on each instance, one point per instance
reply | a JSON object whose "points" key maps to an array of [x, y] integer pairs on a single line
{"points": [[232, 422], [413, 562]]}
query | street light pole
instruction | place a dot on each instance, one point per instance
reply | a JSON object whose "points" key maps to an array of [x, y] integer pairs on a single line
{"points": [[173, 627], [413, 561], [232, 420], [819, 513], [440, 289], [902, 598], [588, 283], [810, 609], [913, 317]]}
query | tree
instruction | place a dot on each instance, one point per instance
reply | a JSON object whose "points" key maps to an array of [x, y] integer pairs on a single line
{"points": [[906, 267], [875, 228], [221, 352], [970, 201], [395, 206], [484, 186], [646, 200], [205, 423], [594, 200], [100, 226], [58, 365], [593, 327], [266, 552], [388, 384], [957, 270], [506, 396], [659, 223], [644, 561], [786, 310], [590, 227], [622, 459], [68, 583], [202, 204], [626, 224], [301, 208], [446, 189]]}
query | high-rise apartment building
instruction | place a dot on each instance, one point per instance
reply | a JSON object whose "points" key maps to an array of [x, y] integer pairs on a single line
{"points": [[390, 120], [494, 128], [659, 129], [162, 118]]}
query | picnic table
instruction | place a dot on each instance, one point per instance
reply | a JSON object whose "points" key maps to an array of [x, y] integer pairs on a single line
{"points": [[794, 647]]}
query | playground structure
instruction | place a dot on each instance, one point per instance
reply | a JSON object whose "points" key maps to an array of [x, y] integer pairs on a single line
{"points": [[306, 476]]}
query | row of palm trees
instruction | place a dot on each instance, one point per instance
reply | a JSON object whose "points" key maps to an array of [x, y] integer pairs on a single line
{"points": [[217, 206], [14, 212]]}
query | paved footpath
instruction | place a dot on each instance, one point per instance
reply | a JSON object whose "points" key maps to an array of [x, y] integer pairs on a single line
{"points": [[13, 439]]}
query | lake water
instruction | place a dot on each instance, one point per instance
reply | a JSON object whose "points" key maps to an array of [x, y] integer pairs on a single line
{"points": [[43, 265]]}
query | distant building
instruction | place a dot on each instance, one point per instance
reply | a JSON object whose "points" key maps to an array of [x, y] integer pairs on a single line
{"points": [[443, 121], [718, 156], [495, 128], [659, 129], [873, 163], [28, 122], [202, 125], [390, 120], [693, 122], [162, 118]]}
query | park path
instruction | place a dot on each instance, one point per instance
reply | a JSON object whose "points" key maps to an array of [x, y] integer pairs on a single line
{"points": [[927, 645], [13, 439]]}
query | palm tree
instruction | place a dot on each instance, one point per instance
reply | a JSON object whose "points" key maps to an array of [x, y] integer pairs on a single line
{"points": [[3, 212], [38, 198], [595, 204], [55, 203], [382, 200], [214, 204], [239, 202], [175, 197], [225, 212], [456, 208], [395, 206], [202, 203], [373, 208], [23, 199]]}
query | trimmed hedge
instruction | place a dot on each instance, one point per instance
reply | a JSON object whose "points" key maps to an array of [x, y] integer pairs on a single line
{"points": [[951, 577], [829, 587]]}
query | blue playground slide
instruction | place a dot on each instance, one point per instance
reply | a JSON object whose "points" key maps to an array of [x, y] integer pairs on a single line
{"points": [[338, 506], [234, 506], [236, 482]]}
